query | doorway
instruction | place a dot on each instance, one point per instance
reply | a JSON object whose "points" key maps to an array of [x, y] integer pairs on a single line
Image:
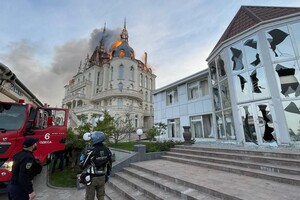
{"points": [[257, 121]]}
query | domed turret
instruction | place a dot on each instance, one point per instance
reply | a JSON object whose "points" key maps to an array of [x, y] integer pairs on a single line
{"points": [[121, 49]]}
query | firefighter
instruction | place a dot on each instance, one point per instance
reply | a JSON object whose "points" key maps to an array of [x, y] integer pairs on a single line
{"points": [[24, 169], [96, 165]]}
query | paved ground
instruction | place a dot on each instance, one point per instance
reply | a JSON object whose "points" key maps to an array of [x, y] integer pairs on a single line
{"points": [[48, 193]]}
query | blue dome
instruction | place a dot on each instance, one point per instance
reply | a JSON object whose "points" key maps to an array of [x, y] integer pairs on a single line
{"points": [[122, 49]]}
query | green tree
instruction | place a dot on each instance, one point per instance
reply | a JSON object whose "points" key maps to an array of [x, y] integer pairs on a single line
{"points": [[121, 131], [106, 126], [156, 130]]}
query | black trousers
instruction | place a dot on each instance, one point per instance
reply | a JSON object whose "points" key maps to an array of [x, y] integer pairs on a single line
{"points": [[16, 192]]}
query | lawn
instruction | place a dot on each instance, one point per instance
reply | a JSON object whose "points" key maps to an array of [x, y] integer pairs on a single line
{"points": [[67, 177]]}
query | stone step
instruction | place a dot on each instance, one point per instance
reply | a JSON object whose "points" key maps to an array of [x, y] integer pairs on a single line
{"points": [[236, 156], [279, 153], [180, 190], [240, 163], [218, 183], [125, 190], [112, 194], [283, 178], [148, 189]]}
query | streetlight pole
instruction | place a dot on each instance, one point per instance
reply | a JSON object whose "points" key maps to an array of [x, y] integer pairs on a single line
{"points": [[139, 132]]}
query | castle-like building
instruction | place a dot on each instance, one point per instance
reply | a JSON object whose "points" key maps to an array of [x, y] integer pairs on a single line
{"points": [[115, 81]]}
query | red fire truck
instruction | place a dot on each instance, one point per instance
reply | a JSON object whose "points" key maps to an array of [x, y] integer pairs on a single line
{"points": [[23, 115]]}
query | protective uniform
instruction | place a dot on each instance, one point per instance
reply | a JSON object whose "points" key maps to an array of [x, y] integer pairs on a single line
{"points": [[96, 167], [24, 169]]}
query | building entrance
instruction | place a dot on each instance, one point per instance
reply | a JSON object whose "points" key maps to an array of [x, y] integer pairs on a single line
{"points": [[257, 121]]}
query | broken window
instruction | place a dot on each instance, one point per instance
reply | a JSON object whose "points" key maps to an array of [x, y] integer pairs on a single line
{"points": [[221, 67], [288, 75], [242, 86], [229, 125], [292, 115], [172, 96], [248, 124], [220, 126], [193, 90], [237, 58], [201, 126], [174, 128], [265, 123], [213, 72], [225, 95], [296, 32], [280, 43], [251, 52], [216, 98]]}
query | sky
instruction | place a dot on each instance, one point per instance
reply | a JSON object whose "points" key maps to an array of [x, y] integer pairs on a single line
{"points": [[43, 41]]}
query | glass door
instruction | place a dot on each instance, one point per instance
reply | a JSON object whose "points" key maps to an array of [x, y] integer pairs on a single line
{"points": [[257, 123]]}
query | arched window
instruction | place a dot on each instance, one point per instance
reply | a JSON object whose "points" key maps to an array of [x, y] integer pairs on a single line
{"points": [[141, 80], [121, 72], [131, 73], [146, 96], [146, 82], [150, 84], [122, 54], [131, 54], [111, 73]]}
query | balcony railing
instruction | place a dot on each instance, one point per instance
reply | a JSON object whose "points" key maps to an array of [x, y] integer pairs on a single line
{"points": [[115, 92], [70, 98], [113, 109], [76, 85]]}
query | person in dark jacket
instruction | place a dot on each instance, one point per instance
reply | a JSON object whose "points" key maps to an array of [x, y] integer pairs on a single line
{"points": [[24, 169], [96, 165]]}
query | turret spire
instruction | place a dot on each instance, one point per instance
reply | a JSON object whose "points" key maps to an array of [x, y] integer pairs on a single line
{"points": [[124, 34], [101, 41]]}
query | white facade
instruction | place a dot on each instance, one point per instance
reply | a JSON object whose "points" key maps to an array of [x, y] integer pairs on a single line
{"points": [[254, 84], [255, 81], [186, 102], [115, 82]]}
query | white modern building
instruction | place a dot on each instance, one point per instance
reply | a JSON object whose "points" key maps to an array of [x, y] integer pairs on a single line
{"points": [[254, 74], [113, 81], [186, 102]]}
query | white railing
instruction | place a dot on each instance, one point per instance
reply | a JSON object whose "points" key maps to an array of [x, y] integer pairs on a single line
{"points": [[116, 92]]}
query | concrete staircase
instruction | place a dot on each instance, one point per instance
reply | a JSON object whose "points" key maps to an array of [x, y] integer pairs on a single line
{"points": [[194, 172]]}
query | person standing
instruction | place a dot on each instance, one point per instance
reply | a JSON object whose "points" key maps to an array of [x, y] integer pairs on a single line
{"points": [[24, 169], [96, 165], [58, 156]]}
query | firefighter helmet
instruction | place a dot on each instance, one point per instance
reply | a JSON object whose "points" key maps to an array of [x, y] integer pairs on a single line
{"points": [[97, 137]]}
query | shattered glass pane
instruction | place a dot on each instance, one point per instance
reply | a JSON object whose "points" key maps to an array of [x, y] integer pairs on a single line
{"points": [[248, 123], [216, 98], [221, 67], [237, 57], [213, 72], [265, 123], [292, 115], [280, 44], [252, 56], [288, 76], [243, 87], [296, 33], [220, 127], [229, 125], [225, 95], [260, 88]]}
